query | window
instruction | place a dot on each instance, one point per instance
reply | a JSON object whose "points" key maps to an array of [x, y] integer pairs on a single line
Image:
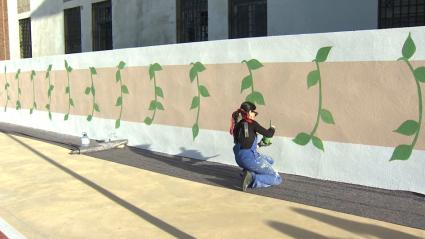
{"points": [[25, 38], [23, 6], [192, 20], [72, 30], [102, 25], [247, 18], [401, 13]]}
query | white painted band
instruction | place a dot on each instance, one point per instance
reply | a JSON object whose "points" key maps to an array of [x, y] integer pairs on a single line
{"points": [[9, 231]]}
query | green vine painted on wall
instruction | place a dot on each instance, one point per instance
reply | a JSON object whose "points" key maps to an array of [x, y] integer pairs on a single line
{"points": [[202, 91], [248, 82], [123, 90], [155, 104], [34, 104], [6, 87], [410, 127], [49, 91], [313, 79], [91, 90], [68, 90], [18, 102]]}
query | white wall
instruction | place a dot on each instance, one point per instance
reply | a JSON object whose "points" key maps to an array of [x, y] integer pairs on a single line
{"points": [[312, 16], [12, 6]]}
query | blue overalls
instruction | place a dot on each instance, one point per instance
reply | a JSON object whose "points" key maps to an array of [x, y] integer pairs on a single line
{"points": [[259, 165]]}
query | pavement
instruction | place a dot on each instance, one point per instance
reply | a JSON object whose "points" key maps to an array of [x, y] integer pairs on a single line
{"points": [[47, 193]]}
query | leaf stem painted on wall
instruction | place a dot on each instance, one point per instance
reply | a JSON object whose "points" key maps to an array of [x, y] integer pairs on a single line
{"points": [[248, 82], [410, 127], [154, 104], [49, 91], [202, 91], [123, 90], [34, 104], [314, 78], [18, 102], [68, 90], [91, 90], [6, 87]]}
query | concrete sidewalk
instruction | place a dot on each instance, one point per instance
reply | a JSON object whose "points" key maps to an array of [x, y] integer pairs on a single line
{"points": [[47, 193]]}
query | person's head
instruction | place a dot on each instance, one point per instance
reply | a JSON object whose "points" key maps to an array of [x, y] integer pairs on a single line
{"points": [[249, 109]]}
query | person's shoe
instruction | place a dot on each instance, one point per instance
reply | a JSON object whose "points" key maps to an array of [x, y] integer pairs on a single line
{"points": [[242, 173], [246, 180]]}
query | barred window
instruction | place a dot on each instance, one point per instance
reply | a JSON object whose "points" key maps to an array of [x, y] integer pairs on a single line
{"points": [[25, 37], [192, 20], [102, 25], [72, 30], [401, 13], [247, 18], [23, 6]]}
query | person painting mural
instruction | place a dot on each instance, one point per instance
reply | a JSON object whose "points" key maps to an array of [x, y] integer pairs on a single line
{"points": [[257, 168]]}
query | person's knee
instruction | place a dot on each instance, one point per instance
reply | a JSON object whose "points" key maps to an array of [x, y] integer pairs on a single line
{"points": [[278, 180]]}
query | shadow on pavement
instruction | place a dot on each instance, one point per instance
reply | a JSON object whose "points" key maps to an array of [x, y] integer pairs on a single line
{"points": [[137, 211]]}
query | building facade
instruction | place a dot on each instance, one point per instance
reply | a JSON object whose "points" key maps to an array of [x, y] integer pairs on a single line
{"points": [[52, 27], [4, 31]]}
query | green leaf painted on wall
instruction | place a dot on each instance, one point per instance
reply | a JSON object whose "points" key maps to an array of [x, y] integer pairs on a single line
{"points": [[148, 120], [124, 89], [192, 74], [246, 82], [195, 102], [256, 98], [121, 65], [71, 102], [203, 91], [419, 74], [159, 106], [199, 67], [317, 143], [254, 64], [302, 139], [322, 54], [158, 92], [66, 117], [96, 107], [408, 128], [153, 68], [327, 116], [402, 152], [118, 76], [50, 115], [409, 47], [87, 91], [48, 107], [17, 74], [195, 130], [152, 105], [93, 91], [89, 117], [93, 71], [117, 123], [67, 90], [312, 78], [49, 68], [119, 101]]}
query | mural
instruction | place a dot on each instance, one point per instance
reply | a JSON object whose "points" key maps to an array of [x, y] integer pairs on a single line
{"points": [[49, 91], [410, 127], [123, 90], [18, 101], [202, 91], [91, 90], [248, 82], [313, 79], [68, 90], [34, 104], [6, 87], [155, 103]]}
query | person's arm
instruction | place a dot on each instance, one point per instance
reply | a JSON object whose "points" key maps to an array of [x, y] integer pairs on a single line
{"points": [[261, 130]]}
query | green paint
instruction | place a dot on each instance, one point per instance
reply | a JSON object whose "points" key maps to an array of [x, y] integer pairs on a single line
{"points": [[155, 104], [202, 91], [6, 87], [68, 90], [34, 104], [91, 90], [49, 91], [313, 79], [248, 82], [410, 127], [18, 102], [123, 90]]}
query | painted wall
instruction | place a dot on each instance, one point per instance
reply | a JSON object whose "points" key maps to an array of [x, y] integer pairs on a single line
{"points": [[306, 16], [345, 108]]}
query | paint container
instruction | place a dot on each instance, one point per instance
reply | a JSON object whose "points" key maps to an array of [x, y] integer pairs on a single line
{"points": [[85, 141]]}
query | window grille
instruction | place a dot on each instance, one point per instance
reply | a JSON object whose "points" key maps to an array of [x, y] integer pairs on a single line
{"points": [[247, 18], [72, 30], [102, 25], [192, 20], [401, 13], [25, 37]]}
